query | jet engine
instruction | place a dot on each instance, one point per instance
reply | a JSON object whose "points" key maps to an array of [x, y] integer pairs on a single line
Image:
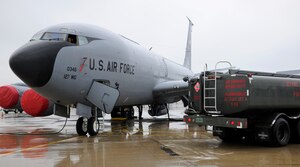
{"points": [[158, 110], [35, 104], [10, 96]]}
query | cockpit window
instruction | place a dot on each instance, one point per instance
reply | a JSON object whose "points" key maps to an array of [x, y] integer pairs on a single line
{"points": [[82, 40], [72, 39], [36, 37], [54, 36]]}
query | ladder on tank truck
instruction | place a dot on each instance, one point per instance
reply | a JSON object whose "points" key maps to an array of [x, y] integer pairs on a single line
{"points": [[210, 88]]}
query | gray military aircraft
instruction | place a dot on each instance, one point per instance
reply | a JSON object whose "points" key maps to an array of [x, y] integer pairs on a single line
{"points": [[95, 70]]}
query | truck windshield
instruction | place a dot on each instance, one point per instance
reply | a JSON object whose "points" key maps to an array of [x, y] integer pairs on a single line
{"points": [[54, 36]]}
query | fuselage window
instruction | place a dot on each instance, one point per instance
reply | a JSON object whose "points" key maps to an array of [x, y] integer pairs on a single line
{"points": [[82, 40], [54, 36]]}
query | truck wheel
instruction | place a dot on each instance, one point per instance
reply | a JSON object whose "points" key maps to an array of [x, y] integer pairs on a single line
{"points": [[281, 132], [297, 132]]}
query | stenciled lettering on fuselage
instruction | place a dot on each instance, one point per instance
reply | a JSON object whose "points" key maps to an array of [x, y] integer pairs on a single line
{"points": [[111, 66], [71, 73], [99, 65]]}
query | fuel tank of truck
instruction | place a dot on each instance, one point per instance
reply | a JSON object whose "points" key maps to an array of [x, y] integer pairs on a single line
{"points": [[239, 93], [231, 93]]}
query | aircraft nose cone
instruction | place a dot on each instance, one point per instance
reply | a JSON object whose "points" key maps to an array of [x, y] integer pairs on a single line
{"points": [[33, 63]]}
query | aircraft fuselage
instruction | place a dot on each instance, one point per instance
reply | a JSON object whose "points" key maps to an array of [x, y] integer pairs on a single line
{"points": [[102, 56]]}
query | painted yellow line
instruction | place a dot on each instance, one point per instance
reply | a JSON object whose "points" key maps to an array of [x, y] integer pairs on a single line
{"points": [[37, 146]]}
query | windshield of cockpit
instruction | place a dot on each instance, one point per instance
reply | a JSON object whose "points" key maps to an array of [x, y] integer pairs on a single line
{"points": [[52, 36]]}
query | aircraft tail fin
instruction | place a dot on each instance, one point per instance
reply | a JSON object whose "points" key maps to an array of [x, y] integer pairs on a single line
{"points": [[187, 59]]}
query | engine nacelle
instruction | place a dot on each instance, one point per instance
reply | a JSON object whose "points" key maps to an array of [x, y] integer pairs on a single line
{"points": [[10, 96], [158, 110], [35, 104]]}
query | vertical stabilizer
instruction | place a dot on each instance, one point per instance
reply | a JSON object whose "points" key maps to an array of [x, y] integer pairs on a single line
{"points": [[187, 59]]}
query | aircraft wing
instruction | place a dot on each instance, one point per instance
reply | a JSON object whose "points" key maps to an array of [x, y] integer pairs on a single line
{"points": [[290, 72], [170, 91]]}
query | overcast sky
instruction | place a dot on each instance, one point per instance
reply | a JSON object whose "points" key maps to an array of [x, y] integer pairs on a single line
{"points": [[261, 35]]}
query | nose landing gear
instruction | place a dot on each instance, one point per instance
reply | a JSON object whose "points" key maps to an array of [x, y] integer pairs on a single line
{"points": [[93, 126], [81, 126], [88, 125]]}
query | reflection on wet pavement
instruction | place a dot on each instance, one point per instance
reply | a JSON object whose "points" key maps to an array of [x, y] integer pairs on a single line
{"points": [[151, 142]]}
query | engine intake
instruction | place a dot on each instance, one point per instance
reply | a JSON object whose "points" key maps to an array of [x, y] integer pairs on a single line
{"points": [[35, 104]]}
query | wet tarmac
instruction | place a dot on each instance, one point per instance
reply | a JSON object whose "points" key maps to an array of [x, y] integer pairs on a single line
{"points": [[27, 141]]}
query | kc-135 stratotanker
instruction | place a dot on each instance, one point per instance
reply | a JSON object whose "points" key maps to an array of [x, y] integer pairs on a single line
{"points": [[97, 70]]}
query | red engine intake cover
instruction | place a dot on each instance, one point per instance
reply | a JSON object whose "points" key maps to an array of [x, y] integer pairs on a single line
{"points": [[9, 96], [33, 103]]}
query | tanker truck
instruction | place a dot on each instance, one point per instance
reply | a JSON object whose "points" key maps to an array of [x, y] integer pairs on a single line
{"points": [[246, 105]]}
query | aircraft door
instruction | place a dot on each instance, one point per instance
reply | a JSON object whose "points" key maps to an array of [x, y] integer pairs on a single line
{"points": [[103, 96]]}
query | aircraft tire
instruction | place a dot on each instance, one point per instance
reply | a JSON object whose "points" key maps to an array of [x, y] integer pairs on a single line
{"points": [[93, 126], [280, 132], [116, 113], [130, 113], [81, 127]]}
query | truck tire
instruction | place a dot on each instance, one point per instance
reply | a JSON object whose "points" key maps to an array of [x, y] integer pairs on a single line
{"points": [[297, 132], [280, 132]]}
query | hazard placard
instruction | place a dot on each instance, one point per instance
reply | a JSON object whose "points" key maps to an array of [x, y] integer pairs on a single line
{"points": [[197, 87]]}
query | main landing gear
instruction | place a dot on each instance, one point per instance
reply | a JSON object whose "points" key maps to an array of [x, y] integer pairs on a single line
{"points": [[88, 125], [122, 113]]}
